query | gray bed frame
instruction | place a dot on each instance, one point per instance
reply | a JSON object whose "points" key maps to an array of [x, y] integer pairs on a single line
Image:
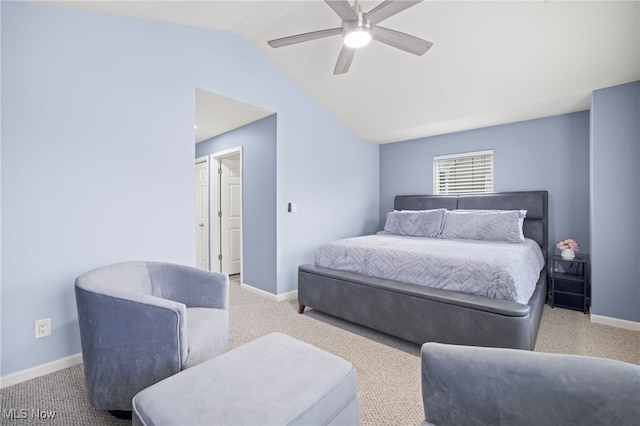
{"points": [[422, 314]]}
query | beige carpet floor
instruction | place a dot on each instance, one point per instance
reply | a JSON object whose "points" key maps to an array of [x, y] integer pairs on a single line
{"points": [[388, 368]]}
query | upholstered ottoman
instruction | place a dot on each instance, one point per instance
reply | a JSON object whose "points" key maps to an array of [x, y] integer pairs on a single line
{"points": [[273, 380]]}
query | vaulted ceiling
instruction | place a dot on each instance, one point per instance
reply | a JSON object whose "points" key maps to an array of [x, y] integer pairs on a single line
{"points": [[491, 62]]}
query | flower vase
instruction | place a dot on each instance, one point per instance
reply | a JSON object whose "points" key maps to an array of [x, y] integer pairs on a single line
{"points": [[568, 254]]}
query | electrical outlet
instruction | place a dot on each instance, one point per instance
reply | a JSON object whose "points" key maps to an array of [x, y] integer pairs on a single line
{"points": [[43, 328]]}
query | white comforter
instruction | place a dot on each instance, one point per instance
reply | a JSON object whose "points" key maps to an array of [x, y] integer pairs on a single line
{"points": [[501, 270]]}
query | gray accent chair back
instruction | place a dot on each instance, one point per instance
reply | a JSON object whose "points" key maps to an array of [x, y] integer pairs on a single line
{"points": [[141, 322], [465, 385]]}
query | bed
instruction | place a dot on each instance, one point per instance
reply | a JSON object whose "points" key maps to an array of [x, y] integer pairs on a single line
{"points": [[418, 313]]}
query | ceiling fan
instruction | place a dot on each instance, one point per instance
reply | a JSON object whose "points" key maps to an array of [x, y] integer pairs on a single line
{"points": [[359, 28]]}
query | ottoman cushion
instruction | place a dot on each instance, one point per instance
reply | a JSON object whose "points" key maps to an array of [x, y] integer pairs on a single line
{"points": [[273, 380]]}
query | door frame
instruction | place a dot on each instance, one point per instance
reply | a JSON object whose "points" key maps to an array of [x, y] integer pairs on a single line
{"points": [[215, 230], [205, 159]]}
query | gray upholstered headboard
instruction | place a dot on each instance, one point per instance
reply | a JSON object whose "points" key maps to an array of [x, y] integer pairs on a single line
{"points": [[535, 202]]}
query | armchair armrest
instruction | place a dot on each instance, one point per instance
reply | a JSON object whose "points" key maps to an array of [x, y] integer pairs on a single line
{"points": [[475, 385], [147, 332], [194, 287]]}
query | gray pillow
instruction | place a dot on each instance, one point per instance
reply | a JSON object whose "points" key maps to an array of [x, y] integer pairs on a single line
{"points": [[487, 225], [415, 223]]}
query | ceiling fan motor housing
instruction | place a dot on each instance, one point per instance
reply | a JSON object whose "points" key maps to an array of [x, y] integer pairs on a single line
{"points": [[356, 33]]}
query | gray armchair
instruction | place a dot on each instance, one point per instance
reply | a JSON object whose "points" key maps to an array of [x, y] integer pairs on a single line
{"points": [[464, 385], [141, 322]]}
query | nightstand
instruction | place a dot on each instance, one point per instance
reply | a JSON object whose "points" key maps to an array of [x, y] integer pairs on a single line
{"points": [[570, 282]]}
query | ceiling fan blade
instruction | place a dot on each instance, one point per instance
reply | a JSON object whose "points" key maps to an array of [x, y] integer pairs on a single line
{"points": [[300, 38], [402, 41], [343, 9], [388, 8], [344, 60]]}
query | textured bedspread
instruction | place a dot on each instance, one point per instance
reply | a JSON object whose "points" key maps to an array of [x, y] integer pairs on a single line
{"points": [[501, 270]]}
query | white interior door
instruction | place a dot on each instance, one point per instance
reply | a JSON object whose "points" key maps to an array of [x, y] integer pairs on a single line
{"points": [[231, 213], [202, 213]]}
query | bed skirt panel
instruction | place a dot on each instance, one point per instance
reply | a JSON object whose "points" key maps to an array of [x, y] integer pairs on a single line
{"points": [[421, 314]]}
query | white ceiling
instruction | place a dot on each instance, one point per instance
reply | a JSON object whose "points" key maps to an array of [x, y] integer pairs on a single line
{"points": [[491, 62], [216, 114]]}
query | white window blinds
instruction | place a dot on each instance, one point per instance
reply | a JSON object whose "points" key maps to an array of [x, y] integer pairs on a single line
{"points": [[466, 173]]}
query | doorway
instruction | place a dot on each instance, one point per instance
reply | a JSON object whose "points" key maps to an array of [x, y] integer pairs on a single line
{"points": [[226, 217], [218, 212], [223, 125]]}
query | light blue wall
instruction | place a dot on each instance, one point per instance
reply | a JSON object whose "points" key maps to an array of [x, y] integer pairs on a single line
{"points": [[97, 158], [258, 141], [545, 154], [96, 166], [1, 101], [615, 201], [334, 180]]}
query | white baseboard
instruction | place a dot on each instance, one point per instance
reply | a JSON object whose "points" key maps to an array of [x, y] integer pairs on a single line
{"points": [[40, 370], [275, 297], [615, 322], [293, 294]]}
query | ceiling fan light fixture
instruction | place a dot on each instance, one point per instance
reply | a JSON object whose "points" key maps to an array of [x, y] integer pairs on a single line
{"points": [[359, 28], [357, 37]]}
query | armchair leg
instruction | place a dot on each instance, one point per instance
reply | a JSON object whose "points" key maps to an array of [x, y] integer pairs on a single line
{"points": [[300, 308], [121, 414]]}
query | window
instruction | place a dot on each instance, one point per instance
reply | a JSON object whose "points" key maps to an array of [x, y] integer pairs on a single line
{"points": [[467, 173]]}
